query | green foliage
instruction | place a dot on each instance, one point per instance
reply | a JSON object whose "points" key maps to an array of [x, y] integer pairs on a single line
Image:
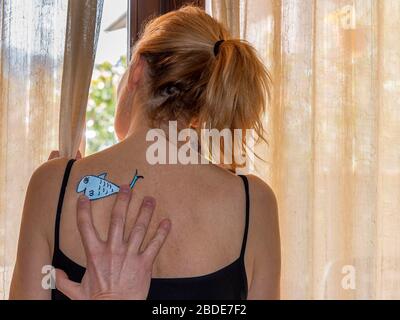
{"points": [[101, 106]]}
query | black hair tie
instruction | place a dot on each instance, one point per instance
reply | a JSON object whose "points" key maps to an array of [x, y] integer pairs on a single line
{"points": [[217, 46]]}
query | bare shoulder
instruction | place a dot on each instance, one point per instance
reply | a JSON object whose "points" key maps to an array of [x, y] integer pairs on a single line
{"points": [[35, 243], [260, 190], [263, 206], [42, 195], [263, 248], [224, 181], [46, 179], [46, 171]]}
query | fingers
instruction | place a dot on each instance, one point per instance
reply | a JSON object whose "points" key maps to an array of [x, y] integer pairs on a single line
{"points": [[118, 217], [86, 228], [78, 155], [142, 223], [54, 154], [157, 242], [69, 288]]}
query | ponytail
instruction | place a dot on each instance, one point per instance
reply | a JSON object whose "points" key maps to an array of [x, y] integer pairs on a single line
{"points": [[196, 78], [238, 89]]}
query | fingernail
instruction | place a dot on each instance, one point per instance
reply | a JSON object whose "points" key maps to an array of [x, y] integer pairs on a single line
{"points": [[166, 224], [124, 188], [83, 199], [148, 202]]}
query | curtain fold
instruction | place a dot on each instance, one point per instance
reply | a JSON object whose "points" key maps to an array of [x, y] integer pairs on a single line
{"points": [[39, 50], [228, 12], [333, 129], [83, 26], [31, 55]]}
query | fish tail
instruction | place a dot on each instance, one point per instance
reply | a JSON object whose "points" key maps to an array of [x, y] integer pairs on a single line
{"points": [[135, 179]]}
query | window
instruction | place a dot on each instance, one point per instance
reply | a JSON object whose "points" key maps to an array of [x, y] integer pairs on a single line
{"points": [[109, 65], [111, 61]]}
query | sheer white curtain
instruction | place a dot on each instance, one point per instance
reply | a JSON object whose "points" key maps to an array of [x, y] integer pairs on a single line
{"points": [[37, 36], [83, 28], [334, 139]]}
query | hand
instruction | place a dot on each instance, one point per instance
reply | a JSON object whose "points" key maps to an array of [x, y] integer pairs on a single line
{"points": [[116, 269], [56, 154]]}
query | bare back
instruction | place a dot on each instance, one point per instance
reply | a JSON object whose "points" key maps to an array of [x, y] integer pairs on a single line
{"points": [[205, 203]]}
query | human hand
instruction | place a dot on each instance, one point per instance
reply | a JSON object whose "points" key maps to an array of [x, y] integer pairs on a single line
{"points": [[56, 154], [116, 269]]}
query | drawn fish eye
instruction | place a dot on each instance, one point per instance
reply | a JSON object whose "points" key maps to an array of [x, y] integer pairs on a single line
{"points": [[91, 193], [86, 180]]}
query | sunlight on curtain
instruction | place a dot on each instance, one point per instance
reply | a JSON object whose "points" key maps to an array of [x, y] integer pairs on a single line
{"points": [[83, 27], [47, 54], [31, 57], [334, 139]]}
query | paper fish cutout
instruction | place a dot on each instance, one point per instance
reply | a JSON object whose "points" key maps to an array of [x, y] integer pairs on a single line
{"points": [[98, 187]]}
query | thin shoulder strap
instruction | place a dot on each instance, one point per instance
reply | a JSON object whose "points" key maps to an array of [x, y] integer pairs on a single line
{"points": [[60, 204], [246, 226]]}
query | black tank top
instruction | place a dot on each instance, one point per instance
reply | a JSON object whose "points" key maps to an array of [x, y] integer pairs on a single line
{"points": [[228, 283]]}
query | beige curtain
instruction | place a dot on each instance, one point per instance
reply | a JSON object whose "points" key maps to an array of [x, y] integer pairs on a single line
{"points": [[334, 139], [81, 42], [35, 34]]}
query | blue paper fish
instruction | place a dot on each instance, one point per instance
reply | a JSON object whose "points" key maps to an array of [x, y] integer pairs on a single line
{"points": [[97, 187]]}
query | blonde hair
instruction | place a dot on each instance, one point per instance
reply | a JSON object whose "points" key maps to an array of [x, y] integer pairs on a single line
{"points": [[187, 81]]}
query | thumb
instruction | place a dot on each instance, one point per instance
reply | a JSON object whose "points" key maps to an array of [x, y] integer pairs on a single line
{"points": [[69, 288], [78, 155], [54, 154]]}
